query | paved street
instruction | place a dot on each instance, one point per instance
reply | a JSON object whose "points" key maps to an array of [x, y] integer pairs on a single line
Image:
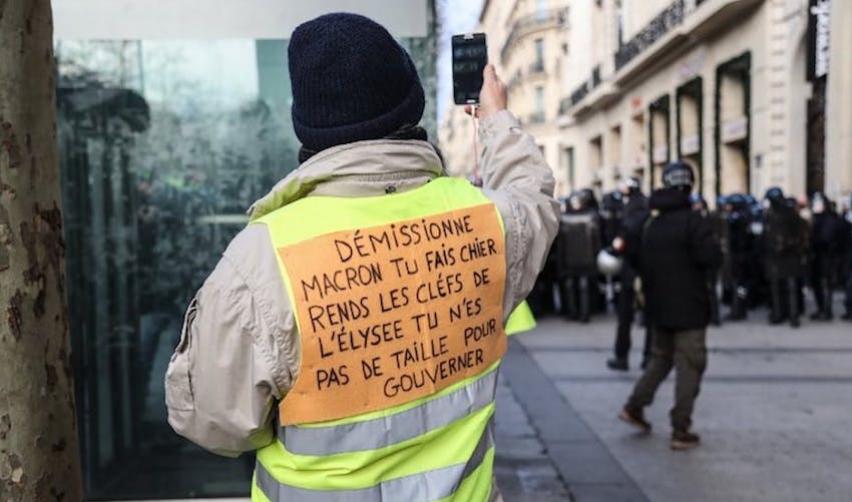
{"points": [[774, 414]]}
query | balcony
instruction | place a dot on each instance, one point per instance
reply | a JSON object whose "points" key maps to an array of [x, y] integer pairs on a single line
{"points": [[523, 26], [583, 90], [670, 33], [579, 93], [671, 17], [565, 104]]}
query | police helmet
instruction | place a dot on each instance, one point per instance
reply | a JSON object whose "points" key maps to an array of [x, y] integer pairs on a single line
{"points": [[678, 175], [774, 194], [608, 263]]}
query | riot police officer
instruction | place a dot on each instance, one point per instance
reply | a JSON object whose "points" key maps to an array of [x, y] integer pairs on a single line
{"points": [[740, 242], [826, 247], [578, 243], [846, 268], [783, 245], [699, 204], [628, 243]]}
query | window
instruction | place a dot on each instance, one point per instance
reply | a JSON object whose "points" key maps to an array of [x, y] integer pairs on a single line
{"points": [[163, 144], [538, 114], [539, 51], [541, 9]]}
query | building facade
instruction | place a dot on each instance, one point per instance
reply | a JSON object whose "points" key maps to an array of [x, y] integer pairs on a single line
{"points": [[751, 93], [527, 44]]}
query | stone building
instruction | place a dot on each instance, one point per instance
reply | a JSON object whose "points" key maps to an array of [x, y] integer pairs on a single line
{"points": [[752, 93], [527, 44]]}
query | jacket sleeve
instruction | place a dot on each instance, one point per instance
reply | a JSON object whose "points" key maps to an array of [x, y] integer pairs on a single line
{"points": [[520, 183], [225, 376], [706, 250]]}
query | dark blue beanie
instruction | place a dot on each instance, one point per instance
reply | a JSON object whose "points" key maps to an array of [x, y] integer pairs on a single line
{"points": [[351, 81]]}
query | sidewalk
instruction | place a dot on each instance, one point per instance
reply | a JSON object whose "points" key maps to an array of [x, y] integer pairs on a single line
{"points": [[774, 415]]}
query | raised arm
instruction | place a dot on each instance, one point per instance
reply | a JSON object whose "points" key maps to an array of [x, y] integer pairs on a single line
{"points": [[519, 181]]}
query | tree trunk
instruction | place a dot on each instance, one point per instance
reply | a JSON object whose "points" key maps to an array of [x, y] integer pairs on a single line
{"points": [[39, 460]]}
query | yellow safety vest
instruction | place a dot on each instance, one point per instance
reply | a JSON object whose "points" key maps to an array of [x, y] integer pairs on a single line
{"points": [[395, 298]]}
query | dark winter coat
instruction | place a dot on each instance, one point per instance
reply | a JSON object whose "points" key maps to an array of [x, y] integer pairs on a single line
{"points": [[679, 250]]}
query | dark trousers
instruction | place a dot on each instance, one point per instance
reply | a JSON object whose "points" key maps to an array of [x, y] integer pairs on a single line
{"points": [[576, 294], [625, 310], [849, 294], [784, 299], [686, 352], [822, 274]]}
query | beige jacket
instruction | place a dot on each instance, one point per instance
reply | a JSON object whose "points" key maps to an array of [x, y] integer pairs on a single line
{"points": [[239, 349]]}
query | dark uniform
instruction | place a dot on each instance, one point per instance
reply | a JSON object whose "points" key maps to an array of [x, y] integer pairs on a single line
{"points": [[784, 241], [826, 254], [578, 244], [680, 243], [720, 234], [846, 265], [635, 214], [741, 243]]}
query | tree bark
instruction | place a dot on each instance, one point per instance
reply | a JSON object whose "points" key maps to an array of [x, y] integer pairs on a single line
{"points": [[39, 458]]}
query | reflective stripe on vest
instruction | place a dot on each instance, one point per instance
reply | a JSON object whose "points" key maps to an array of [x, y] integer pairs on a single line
{"points": [[431, 448], [388, 430], [437, 484]]}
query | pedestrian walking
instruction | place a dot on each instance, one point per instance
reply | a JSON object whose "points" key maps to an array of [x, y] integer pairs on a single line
{"points": [[677, 242], [784, 243], [351, 333], [627, 244]]}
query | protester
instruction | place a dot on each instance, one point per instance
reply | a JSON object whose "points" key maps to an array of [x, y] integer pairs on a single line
{"points": [[313, 337], [677, 242], [628, 243]]}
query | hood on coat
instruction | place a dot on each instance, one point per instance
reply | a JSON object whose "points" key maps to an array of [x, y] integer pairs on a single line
{"points": [[384, 161]]}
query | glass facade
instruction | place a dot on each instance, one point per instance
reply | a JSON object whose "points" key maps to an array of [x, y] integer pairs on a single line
{"points": [[164, 144]]}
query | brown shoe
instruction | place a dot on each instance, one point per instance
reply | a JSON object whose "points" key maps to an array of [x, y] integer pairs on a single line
{"points": [[684, 440], [635, 418]]}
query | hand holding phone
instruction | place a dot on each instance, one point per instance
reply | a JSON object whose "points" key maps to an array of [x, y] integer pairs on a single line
{"points": [[470, 56], [493, 97]]}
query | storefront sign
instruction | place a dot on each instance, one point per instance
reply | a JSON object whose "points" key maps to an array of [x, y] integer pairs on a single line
{"points": [[661, 154], [819, 31], [690, 144], [734, 130]]}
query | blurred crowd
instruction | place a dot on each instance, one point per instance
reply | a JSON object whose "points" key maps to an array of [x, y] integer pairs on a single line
{"points": [[775, 250]]}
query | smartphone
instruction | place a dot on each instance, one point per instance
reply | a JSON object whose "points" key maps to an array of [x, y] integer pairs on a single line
{"points": [[470, 55]]}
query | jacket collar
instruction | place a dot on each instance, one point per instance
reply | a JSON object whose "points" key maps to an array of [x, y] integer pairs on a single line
{"points": [[361, 169]]}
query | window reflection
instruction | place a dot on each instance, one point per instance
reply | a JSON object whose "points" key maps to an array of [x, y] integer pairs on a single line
{"points": [[163, 147]]}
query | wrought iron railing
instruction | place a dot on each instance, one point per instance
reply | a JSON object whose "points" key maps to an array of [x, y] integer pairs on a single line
{"points": [[565, 105], [579, 93], [583, 90], [551, 18], [663, 23]]}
